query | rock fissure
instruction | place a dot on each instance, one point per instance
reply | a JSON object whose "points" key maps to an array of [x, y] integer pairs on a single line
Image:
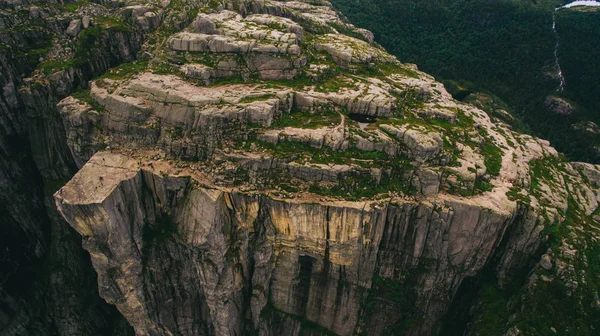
{"points": [[223, 191]]}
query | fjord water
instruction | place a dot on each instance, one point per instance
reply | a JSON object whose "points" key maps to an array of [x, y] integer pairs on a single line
{"points": [[581, 3]]}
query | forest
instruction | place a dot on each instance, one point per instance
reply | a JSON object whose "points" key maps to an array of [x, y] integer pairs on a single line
{"points": [[505, 50]]}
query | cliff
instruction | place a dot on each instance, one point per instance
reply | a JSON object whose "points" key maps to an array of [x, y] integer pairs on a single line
{"points": [[266, 168]]}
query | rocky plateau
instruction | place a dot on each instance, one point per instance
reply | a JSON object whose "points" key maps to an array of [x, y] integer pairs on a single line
{"points": [[248, 167]]}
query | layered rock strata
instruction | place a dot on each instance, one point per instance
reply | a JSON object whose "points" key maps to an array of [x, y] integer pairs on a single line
{"points": [[266, 168]]}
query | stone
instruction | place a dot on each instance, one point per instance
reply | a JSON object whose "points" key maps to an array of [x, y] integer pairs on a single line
{"points": [[198, 216], [559, 105], [422, 144], [240, 206], [74, 28], [35, 12], [546, 262], [589, 127], [345, 50], [203, 25], [85, 22]]}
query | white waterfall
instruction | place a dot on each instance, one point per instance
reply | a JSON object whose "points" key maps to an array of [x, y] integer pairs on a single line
{"points": [[562, 84]]}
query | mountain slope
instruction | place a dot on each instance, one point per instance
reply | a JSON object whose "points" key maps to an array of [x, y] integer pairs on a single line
{"points": [[266, 168], [503, 48]]}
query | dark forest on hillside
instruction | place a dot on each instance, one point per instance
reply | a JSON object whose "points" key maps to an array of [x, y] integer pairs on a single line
{"points": [[502, 48]]}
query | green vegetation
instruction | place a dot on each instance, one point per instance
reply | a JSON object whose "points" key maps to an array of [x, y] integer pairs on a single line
{"points": [[306, 119], [126, 70], [52, 66], [67, 7], [495, 314], [502, 48], [492, 156], [292, 150], [397, 294], [352, 187], [87, 44], [85, 96], [250, 99], [356, 187], [29, 59], [551, 304], [562, 304], [278, 317]]}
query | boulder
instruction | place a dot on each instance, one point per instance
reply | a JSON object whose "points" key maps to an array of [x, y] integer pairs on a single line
{"points": [[422, 144], [204, 25], [559, 105], [85, 21], [546, 262], [74, 28]]}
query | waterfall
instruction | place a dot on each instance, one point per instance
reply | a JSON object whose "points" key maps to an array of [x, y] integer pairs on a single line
{"points": [[561, 86]]}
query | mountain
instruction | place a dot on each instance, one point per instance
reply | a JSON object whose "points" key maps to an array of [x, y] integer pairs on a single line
{"points": [[505, 50], [265, 167]]}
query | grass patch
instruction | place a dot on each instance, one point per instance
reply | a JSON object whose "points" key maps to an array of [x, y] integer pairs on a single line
{"points": [[84, 95], [87, 44], [250, 99], [126, 70], [305, 119], [492, 157]]}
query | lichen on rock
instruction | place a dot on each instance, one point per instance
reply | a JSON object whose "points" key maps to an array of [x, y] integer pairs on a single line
{"points": [[268, 168]]}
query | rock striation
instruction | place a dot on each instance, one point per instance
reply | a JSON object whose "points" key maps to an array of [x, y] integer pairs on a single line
{"points": [[264, 167]]}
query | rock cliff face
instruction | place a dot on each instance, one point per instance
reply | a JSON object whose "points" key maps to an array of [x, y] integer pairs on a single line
{"points": [[266, 168], [48, 285], [236, 261]]}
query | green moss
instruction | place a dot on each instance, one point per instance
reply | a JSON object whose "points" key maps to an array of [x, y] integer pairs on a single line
{"points": [[408, 100], [126, 70], [53, 66], [334, 84], [547, 170], [87, 44], [291, 150], [353, 187], [514, 195], [305, 119], [262, 97], [85, 96], [70, 7], [164, 68], [358, 186], [492, 156], [113, 23]]}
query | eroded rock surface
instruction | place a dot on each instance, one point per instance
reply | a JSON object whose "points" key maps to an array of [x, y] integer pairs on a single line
{"points": [[263, 173], [266, 168]]}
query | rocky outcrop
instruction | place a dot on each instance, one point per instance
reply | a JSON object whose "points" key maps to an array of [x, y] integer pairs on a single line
{"points": [[256, 254], [257, 171], [269, 44], [345, 50], [48, 285], [422, 145], [558, 105]]}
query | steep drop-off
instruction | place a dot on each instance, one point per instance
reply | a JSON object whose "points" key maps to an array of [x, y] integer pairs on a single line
{"points": [[266, 168]]}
